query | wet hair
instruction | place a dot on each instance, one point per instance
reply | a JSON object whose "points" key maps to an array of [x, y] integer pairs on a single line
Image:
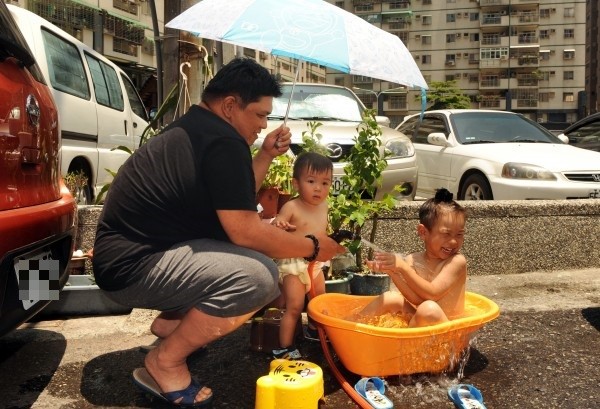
{"points": [[243, 78], [311, 161], [441, 203]]}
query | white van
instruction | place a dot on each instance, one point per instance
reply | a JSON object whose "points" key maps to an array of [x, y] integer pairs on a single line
{"points": [[99, 108]]}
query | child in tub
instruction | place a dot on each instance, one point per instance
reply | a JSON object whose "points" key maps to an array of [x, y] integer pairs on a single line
{"points": [[431, 283], [304, 215]]}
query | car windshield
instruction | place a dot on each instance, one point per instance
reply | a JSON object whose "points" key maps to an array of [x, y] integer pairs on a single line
{"points": [[491, 127], [317, 103]]}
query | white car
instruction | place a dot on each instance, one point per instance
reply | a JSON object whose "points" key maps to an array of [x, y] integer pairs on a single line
{"points": [[339, 110], [485, 155]]}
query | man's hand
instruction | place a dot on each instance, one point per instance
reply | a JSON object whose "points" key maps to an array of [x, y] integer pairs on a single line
{"points": [[277, 142]]}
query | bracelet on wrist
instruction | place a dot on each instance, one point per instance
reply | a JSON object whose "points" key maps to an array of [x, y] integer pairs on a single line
{"points": [[315, 253]]}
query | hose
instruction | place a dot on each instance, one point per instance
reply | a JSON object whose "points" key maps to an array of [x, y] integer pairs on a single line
{"points": [[350, 391]]}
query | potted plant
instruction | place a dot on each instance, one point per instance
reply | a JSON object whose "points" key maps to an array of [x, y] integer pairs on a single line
{"points": [[277, 187], [350, 209]]}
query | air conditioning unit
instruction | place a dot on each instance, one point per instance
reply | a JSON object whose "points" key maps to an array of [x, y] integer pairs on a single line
{"points": [[417, 16], [450, 62], [418, 37]]}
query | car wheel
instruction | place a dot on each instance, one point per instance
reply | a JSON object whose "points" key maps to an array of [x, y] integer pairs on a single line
{"points": [[476, 187]]}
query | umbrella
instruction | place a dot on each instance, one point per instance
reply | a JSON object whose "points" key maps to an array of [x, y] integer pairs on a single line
{"points": [[310, 30]]}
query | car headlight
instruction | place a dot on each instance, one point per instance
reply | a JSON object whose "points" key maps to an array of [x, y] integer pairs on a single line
{"points": [[514, 170], [399, 148]]}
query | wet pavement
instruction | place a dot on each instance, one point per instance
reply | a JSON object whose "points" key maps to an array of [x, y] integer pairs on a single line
{"points": [[543, 351]]}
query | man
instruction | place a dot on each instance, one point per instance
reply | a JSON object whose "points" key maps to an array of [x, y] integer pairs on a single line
{"points": [[180, 232]]}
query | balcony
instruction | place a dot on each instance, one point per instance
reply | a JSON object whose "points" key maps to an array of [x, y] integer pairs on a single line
{"points": [[494, 19]]}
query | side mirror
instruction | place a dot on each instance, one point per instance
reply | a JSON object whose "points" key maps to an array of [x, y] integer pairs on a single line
{"points": [[437, 139], [563, 138], [382, 120]]}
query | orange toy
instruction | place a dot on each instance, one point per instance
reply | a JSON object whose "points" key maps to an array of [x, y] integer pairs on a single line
{"points": [[374, 351]]}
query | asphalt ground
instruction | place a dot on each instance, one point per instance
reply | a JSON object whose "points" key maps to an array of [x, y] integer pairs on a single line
{"points": [[543, 351]]}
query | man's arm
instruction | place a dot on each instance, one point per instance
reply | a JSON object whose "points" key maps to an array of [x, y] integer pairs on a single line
{"points": [[244, 228], [276, 143]]}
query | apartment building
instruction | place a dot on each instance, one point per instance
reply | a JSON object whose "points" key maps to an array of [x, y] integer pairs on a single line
{"points": [[519, 55]]}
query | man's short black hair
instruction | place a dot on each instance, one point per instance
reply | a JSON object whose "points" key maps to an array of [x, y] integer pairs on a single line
{"points": [[244, 78]]}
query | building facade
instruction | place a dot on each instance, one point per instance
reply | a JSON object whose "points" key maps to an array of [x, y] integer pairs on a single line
{"points": [[518, 55]]}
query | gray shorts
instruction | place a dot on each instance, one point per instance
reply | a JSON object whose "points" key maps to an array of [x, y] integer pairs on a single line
{"points": [[218, 278]]}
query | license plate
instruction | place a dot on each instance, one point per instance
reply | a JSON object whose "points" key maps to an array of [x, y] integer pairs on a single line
{"points": [[594, 194], [336, 185], [38, 278]]}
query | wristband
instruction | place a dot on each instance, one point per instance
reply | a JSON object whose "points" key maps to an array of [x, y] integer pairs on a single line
{"points": [[315, 253]]}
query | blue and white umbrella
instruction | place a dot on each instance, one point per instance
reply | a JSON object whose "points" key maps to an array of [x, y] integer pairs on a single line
{"points": [[310, 30]]}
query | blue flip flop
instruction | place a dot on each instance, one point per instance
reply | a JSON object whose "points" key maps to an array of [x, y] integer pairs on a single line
{"points": [[373, 389], [466, 397], [145, 381]]}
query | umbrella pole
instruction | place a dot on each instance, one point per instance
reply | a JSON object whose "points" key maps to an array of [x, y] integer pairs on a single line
{"points": [[287, 111]]}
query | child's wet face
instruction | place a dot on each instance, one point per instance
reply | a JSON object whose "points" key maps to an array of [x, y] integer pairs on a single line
{"points": [[313, 187], [446, 236]]}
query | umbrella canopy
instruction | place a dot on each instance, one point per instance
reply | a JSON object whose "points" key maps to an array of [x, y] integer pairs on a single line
{"points": [[310, 30]]}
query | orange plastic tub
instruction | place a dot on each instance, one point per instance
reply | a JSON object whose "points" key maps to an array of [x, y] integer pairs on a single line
{"points": [[368, 350]]}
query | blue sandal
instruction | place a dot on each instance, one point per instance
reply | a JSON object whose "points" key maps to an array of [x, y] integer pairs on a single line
{"points": [[373, 389], [466, 397], [146, 382]]}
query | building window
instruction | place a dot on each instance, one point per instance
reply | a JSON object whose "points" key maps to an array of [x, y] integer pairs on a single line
{"points": [[450, 1], [473, 77], [474, 37], [398, 102], [545, 55], [569, 33], [544, 13], [568, 54], [426, 20], [399, 5], [340, 4], [569, 75], [568, 97], [450, 59], [426, 2], [426, 39], [474, 16], [569, 12], [426, 59], [544, 34], [493, 53], [364, 7], [339, 81], [450, 38], [450, 18]]}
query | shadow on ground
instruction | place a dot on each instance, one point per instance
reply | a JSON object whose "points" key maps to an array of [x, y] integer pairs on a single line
{"points": [[22, 387]]}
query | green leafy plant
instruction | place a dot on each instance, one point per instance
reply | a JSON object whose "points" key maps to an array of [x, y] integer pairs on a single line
{"points": [[76, 182], [365, 164], [279, 174]]}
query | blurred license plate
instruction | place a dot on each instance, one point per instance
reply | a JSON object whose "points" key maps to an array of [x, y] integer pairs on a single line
{"points": [[595, 194], [336, 185], [29, 267]]}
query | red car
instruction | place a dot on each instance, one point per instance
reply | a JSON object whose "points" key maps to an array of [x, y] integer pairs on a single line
{"points": [[37, 212]]}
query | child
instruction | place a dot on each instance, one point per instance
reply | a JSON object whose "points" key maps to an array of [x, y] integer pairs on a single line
{"points": [[432, 282], [306, 214]]}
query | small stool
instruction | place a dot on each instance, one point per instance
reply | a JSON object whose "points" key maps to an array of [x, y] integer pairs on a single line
{"points": [[290, 385]]}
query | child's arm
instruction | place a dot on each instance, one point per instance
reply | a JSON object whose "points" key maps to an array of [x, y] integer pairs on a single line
{"points": [[386, 262], [284, 217], [454, 271]]}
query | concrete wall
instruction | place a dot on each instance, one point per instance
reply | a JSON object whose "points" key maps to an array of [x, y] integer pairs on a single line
{"points": [[507, 237], [503, 237]]}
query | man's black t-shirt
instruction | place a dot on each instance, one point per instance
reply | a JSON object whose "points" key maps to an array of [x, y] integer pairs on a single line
{"points": [[168, 192]]}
